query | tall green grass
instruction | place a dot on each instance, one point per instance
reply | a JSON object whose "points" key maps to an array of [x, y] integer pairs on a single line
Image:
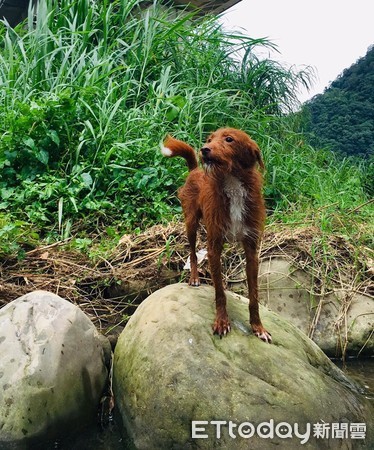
{"points": [[88, 89]]}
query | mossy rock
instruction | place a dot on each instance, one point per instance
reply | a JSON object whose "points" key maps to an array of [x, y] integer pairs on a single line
{"points": [[52, 371], [169, 370]]}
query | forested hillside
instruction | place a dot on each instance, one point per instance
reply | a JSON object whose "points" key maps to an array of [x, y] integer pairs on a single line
{"points": [[342, 118]]}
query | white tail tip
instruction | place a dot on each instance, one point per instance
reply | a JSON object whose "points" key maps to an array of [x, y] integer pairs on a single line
{"points": [[165, 151]]}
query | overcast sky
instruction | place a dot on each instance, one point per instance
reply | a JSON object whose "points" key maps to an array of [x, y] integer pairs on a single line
{"points": [[328, 35]]}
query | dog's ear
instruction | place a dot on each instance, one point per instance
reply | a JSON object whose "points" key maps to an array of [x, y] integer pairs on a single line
{"points": [[255, 149], [260, 160]]}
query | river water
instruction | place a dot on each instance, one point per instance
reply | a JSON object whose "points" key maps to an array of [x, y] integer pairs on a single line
{"points": [[110, 438]]}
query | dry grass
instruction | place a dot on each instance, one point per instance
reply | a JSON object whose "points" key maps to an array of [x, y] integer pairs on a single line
{"points": [[108, 291]]}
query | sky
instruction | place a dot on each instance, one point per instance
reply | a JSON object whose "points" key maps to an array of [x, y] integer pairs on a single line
{"points": [[328, 35]]}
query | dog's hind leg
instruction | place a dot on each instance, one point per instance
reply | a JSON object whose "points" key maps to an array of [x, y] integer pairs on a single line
{"points": [[221, 324], [252, 279]]}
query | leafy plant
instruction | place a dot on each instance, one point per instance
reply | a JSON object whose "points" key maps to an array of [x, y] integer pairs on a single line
{"points": [[89, 89]]}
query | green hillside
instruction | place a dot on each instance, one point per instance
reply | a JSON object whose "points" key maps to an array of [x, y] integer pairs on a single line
{"points": [[342, 118]]}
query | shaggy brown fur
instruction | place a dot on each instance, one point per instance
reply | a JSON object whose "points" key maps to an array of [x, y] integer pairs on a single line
{"points": [[227, 196]]}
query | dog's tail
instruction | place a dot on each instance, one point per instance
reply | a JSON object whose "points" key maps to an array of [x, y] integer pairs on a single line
{"points": [[172, 147]]}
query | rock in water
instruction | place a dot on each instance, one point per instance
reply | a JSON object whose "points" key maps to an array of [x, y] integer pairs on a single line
{"points": [[169, 370], [52, 370]]}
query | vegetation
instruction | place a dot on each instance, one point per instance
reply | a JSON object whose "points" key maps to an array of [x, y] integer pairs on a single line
{"points": [[342, 118], [89, 89]]}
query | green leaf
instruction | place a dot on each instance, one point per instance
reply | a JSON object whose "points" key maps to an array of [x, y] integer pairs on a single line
{"points": [[172, 113], [42, 156], [87, 179], [29, 142], [54, 136]]}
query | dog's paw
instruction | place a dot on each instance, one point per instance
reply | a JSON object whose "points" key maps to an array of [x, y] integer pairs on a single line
{"points": [[261, 333], [221, 326], [194, 281]]}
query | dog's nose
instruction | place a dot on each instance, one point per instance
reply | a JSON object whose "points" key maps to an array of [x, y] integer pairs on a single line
{"points": [[205, 151]]}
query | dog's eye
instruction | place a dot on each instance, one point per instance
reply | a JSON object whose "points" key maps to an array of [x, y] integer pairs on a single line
{"points": [[229, 139]]}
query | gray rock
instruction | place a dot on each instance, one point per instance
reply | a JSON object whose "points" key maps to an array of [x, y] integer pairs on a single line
{"points": [[52, 369], [170, 370], [340, 322]]}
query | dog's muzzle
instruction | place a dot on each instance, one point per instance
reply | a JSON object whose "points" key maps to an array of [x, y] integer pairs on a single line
{"points": [[206, 156]]}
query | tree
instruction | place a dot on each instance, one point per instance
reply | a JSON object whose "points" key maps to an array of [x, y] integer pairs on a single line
{"points": [[342, 118]]}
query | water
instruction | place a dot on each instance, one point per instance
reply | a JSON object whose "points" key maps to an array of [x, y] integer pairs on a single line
{"points": [[112, 438], [93, 437], [361, 371]]}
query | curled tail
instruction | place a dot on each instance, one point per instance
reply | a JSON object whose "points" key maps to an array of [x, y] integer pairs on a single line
{"points": [[172, 147]]}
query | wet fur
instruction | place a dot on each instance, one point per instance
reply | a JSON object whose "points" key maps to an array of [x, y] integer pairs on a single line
{"points": [[227, 195]]}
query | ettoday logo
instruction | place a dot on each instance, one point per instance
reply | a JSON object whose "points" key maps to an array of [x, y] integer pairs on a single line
{"points": [[246, 430], [203, 429]]}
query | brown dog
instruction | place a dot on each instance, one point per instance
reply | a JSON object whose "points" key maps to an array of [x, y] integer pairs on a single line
{"points": [[227, 196]]}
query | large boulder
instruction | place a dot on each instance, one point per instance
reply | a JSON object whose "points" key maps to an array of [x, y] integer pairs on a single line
{"points": [[170, 370], [340, 322], [52, 370]]}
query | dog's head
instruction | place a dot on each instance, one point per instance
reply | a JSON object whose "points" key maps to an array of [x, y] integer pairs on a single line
{"points": [[229, 150]]}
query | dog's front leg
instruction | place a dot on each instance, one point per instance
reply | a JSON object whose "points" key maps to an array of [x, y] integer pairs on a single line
{"points": [[191, 228], [252, 279], [221, 324]]}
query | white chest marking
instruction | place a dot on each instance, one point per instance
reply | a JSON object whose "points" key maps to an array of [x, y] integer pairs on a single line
{"points": [[236, 194]]}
